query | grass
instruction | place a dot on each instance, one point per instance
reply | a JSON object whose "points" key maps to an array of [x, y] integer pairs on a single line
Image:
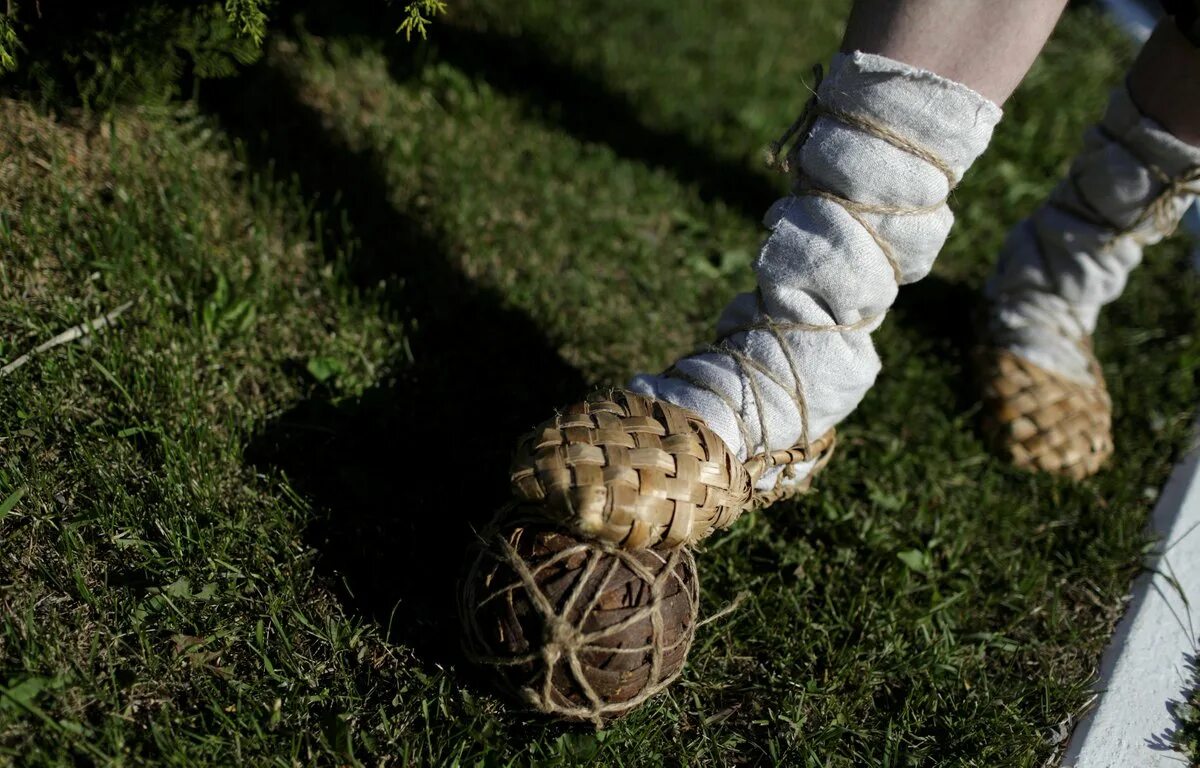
{"points": [[230, 524]]}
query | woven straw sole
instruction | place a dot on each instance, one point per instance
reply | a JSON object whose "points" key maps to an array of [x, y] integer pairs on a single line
{"points": [[1042, 421]]}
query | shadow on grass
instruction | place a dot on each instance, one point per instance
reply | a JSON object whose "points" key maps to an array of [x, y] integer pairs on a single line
{"points": [[399, 476], [557, 92], [945, 310]]}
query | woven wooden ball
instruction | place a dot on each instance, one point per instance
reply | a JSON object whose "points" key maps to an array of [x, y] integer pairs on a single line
{"points": [[632, 471], [578, 629]]}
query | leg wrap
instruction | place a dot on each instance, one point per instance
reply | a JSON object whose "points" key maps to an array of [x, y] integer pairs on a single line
{"points": [[868, 214]]}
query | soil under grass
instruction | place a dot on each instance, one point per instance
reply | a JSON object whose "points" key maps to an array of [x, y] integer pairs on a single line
{"points": [[230, 524]]}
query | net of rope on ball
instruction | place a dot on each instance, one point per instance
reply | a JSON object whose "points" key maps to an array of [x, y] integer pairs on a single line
{"points": [[583, 595]]}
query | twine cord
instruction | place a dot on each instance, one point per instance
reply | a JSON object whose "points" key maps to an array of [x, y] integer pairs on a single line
{"points": [[563, 638], [1162, 208], [787, 161]]}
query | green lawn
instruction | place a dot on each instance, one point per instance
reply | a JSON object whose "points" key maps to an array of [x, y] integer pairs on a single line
{"points": [[230, 524]]}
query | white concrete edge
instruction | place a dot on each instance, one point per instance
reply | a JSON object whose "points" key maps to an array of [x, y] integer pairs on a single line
{"points": [[1150, 663]]}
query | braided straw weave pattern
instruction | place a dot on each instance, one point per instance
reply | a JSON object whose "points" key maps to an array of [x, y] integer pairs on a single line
{"points": [[1042, 421], [632, 471], [578, 629]]}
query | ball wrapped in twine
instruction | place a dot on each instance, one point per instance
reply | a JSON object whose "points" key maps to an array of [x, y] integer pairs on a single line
{"points": [[578, 629], [631, 470]]}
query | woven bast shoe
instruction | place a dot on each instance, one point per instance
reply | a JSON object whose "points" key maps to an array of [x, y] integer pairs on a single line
{"points": [[1043, 421], [638, 472]]}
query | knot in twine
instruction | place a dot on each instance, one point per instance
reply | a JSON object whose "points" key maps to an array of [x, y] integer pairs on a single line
{"points": [[560, 637], [1162, 209], [1162, 212], [779, 160]]}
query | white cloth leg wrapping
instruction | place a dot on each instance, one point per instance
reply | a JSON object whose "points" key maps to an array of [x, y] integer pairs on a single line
{"points": [[826, 274], [1073, 255]]}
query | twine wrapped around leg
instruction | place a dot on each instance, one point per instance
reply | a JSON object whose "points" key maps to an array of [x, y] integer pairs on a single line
{"points": [[876, 155], [786, 484], [577, 629]]}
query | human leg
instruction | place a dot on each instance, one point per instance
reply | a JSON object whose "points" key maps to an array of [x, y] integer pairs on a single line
{"points": [[886, 144], [987, 46]]}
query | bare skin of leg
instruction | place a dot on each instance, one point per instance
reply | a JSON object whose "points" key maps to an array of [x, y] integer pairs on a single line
{"points": [[1165, 82], [987, 45]]}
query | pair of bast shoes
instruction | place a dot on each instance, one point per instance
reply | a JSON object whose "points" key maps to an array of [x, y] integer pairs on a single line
{"points": [[632, 471]]}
